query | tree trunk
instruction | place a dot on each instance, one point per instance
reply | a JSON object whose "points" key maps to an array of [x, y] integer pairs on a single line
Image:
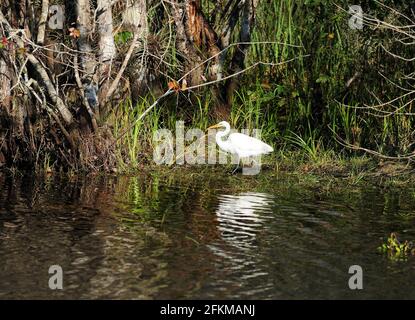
{"points": [[197, 41], [105, 26], [89, 79], [42, 22], [108, 51], [84, 25], [5, 84], [5, 103], [238, 60], [135, 19]]}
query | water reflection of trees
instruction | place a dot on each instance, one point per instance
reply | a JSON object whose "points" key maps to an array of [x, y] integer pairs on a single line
{"points": [[42, 223], [151, 237]]}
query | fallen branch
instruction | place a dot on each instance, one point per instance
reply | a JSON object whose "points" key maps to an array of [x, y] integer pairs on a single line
{"points": [[168, 92], [53, 95], [372, 152], [49, 110]]}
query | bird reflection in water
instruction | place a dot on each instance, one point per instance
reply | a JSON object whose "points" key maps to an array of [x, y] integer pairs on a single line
{"points": [[241, 219]]}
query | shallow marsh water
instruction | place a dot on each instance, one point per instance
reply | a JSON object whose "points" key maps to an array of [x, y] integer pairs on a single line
{"points": [[203, 236]]}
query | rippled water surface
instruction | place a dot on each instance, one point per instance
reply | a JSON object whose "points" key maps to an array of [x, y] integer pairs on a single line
{"points": [[161, 238]]}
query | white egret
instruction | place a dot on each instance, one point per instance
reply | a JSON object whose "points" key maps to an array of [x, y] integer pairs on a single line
{"points": [[238, 143]]}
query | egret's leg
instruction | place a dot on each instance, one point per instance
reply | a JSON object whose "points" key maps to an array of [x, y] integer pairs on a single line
{"points": [[237, 166]]}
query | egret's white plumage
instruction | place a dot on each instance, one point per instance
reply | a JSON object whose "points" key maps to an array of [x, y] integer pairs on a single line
{"points": [[238, 143]]}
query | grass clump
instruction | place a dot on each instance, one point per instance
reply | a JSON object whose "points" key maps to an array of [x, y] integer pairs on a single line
{"points": [[397, 250]]}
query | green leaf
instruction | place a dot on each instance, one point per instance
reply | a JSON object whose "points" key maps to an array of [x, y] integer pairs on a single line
{"points": [[323, 79]]}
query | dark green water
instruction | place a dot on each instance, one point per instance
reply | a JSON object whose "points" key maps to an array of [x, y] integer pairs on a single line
{"points": [[202, 237]]}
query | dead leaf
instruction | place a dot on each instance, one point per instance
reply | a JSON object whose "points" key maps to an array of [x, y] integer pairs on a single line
{"points": [[74, 33], [184, 85], [173, 85]]}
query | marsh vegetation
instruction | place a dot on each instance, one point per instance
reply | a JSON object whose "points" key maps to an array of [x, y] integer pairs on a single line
{"points": [[90, 96]]}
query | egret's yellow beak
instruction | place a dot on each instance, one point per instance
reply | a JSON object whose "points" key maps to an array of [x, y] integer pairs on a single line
{"points": [[214, 127]]}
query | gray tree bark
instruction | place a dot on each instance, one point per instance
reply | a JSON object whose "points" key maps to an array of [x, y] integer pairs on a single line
{"points": [[107, 47]]}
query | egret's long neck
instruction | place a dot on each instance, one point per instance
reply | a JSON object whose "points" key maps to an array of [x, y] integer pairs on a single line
{"points": [[223, 144]]}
